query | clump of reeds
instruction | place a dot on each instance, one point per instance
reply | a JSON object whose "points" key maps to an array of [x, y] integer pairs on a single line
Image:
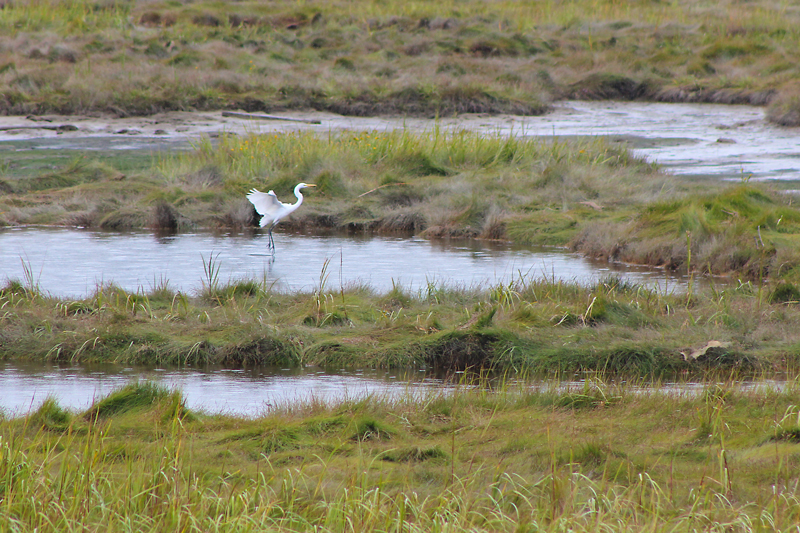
{"points": [[743, 229], [137, 396], [165, 217], [51, 416], [443, 182]]}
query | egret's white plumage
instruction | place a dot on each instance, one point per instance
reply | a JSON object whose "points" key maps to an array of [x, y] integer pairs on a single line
{"points": [[266, 204], [273, 210]]}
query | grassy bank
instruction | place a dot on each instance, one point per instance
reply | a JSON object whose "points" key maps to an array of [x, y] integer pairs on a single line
{"points": [[450, 183], [531, 324], [368, 57], [589, 194], [511, 460]]}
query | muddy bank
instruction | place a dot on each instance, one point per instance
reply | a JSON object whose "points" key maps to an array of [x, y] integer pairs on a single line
{"points": [[783, 106], [411, 102], [415, 103], [600, 86]]}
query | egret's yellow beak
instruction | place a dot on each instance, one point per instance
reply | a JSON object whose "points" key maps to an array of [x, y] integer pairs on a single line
{"points": [[310, 185]]}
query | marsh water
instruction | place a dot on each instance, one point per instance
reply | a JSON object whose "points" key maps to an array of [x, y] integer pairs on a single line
{"points": [[252, 392], [71, 263], [25, 385], [703, 141]]}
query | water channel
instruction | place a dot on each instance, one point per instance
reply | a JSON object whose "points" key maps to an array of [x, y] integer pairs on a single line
{"points": [[722, 142], [25, 385], [252, 392], [70, 263]]}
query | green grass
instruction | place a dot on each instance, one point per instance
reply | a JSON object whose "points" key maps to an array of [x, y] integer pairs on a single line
{"points": [[744, 230], [474, 459], [369, 57], [50, 415], [136, 397], [447, 183], [529, 324]]}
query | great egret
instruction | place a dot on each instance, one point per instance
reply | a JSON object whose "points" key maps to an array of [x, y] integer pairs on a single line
{"points": [[272, 209]]}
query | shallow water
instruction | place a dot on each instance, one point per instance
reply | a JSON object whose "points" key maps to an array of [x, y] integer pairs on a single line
{"points": [[72, 263], [24, 386], [722, 141], [255, 391]]}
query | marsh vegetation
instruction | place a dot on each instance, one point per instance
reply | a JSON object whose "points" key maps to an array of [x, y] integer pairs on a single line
{"points": [[475, 460], [533, 325], [367, 57], [588, 194]]}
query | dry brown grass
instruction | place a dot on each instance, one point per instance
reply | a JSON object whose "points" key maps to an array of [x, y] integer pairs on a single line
{"points": [[785, 110]]}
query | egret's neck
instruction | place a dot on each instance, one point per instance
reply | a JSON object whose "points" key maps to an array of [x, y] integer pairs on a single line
{"points": [[299, 196]]}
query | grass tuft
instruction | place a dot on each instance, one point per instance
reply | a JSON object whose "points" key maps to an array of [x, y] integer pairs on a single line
{"points": [[784, 292], [787, 435], [138, 397], [367, 428], [415, 454], [51, 416]]}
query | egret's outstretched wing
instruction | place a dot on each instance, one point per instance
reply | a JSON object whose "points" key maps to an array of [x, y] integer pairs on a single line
{"points": [[266, 204]]}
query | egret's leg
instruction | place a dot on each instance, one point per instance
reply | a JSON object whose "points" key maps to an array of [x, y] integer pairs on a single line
{"points": [[271, 243]]}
